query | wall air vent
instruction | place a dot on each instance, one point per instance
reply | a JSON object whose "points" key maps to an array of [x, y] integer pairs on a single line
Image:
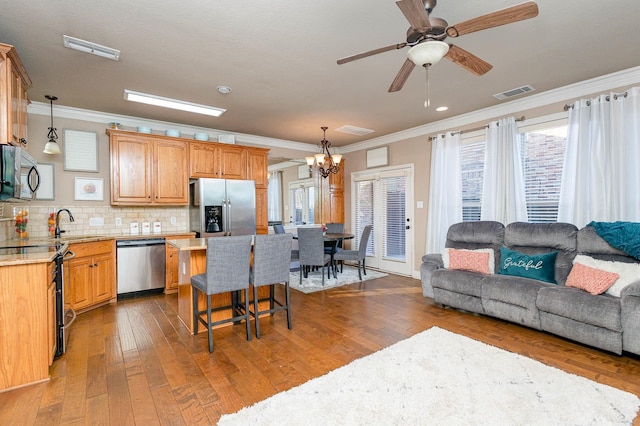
{"points": [[353, 130], [514, 92]]}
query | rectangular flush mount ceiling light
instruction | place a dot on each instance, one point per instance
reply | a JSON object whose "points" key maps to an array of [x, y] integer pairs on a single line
{"points": [[89, 47], [145, 98]]}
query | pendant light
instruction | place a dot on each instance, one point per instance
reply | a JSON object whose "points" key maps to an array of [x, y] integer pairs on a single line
{"points": [[52, 146]]}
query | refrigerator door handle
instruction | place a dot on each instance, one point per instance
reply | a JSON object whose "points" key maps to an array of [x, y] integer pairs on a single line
{"points": [[229, 216], [225, 217]]}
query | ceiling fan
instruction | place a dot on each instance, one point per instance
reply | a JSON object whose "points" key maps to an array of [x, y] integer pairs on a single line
{"points": [[427, 33]]}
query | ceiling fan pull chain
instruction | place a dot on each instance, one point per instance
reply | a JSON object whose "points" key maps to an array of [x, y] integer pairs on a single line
{"points": [[427, 102]]}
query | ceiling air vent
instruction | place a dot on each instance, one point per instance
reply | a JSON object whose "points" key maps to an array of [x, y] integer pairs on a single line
{"points": [[353, 130], [514, 92]]}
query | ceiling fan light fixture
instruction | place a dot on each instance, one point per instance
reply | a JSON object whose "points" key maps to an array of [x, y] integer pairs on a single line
{"points": [[428, 52]]}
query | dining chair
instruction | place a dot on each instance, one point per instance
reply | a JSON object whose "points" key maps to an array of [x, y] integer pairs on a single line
{"points": [[227, 271], [332, 246], [271, 265], [311, 251], [278, 228], [359, 255]]}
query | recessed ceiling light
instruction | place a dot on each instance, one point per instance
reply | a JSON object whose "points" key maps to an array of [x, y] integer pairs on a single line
{"points": [[442, 108], [160, 101], [90, 47], [224, 89]]}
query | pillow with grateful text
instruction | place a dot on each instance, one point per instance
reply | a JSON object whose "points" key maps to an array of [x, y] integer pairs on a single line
{"points": [[540, 267], [480, 260]]}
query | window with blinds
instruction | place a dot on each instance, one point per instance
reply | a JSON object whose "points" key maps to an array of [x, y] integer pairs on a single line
{"points": [[472, 166], [542, 154], [364, 211], [392, 191]]}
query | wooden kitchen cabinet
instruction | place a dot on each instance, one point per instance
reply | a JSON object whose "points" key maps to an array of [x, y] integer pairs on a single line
{"points": [[233, 162], [14, 83], [27, 324], [329, 202], [52, 341], [91, 275], [148, 170], [258, 167], [204, 160], [171, 262]]}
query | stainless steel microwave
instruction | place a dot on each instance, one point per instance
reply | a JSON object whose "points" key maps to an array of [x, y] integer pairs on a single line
{"points": [[19, 177]]}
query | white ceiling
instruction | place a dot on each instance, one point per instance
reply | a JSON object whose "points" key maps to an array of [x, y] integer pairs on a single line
{"points": [[279, 57]]}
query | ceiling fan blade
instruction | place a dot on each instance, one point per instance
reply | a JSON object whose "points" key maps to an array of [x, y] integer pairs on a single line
{"points": [[416, 14], [402, 76], [515, 13], [467, 60], [371, 53]]}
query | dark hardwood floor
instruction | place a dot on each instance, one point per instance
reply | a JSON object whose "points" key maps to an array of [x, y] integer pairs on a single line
{"points": [[134, 363]]}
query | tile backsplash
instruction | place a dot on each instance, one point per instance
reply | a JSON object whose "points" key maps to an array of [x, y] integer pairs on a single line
{"points": [[88, 216]]}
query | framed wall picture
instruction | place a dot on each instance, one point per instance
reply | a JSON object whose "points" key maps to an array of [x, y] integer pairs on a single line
{"points": [[80, 151], [378, 157], [89, 189]]}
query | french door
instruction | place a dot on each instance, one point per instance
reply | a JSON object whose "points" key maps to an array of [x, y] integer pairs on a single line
{"points": [[301, 202], [384, 199]]}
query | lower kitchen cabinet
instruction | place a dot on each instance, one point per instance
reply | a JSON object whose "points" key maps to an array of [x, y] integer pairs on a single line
{"points": [[171, 265], [90, 278], [52, 342]]}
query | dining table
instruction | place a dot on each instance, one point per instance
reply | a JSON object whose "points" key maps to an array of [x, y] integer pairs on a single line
{"points": [[335, 238]]}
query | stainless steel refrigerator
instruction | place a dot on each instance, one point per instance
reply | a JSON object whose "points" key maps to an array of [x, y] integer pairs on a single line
{"points": [[222, 207]]}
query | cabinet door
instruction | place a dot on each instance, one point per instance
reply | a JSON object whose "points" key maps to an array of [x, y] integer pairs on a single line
{"points": [[204, 160], [15, 107], [258, 168], [171, 176], [102, 277], [233, 162], [80, 278], [131, 170], [171, 275], [24, 117], [262, 212]]}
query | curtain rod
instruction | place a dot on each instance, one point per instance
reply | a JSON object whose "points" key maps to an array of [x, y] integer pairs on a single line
{"points": [[462, 132], [567, 107]]}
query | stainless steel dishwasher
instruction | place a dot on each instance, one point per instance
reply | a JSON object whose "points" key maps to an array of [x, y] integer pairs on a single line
{"points": [[141, 266]]}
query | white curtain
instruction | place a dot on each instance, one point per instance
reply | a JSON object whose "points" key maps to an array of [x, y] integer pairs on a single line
{"points": [[445, 192], [601, 169], [274, 196], [503, 194]]}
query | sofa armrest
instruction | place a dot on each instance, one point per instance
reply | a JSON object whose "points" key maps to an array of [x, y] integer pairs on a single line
{"points": [[430, 263], [630, 315]]}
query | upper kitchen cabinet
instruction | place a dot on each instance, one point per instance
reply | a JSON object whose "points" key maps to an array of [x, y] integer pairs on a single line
{"points": [[148, 169], [14, 83], [215, 160], [257, 169]]}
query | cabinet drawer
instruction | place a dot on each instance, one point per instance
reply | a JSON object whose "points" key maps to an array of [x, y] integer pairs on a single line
{"points": [[90, 249]]}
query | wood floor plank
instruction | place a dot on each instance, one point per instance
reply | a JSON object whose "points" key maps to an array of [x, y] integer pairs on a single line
{"points": [[134, 363]]}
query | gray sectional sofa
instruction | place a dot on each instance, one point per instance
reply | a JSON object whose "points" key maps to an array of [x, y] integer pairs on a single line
{"points": [[602, 321]]}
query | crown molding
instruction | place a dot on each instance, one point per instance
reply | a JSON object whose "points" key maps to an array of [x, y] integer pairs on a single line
{"points": [[61, 111], [562, 94]]}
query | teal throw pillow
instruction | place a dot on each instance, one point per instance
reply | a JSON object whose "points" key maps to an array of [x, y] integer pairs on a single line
{"points": [[538, 266]]}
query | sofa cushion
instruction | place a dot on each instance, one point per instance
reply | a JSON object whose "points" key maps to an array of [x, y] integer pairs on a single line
{"points": [[536, 238], [513, 290], [481, 260], [464, 282], [602, 310], [538, 267], [592, 280], [477, 235]]}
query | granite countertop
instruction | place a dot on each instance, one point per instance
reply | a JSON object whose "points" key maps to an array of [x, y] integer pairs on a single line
{"points": [[188, 243], [39, 257]]}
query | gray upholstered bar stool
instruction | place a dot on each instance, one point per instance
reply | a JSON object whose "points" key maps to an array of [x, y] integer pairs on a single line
{"points": [[271, 263], [227, 271]]}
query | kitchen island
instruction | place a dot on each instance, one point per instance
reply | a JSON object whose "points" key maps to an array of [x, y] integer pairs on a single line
{"points": [[192, 260]]}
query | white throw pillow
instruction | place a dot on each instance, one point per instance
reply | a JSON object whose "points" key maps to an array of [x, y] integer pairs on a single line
{"points": [[492, 263], [629, 272]]}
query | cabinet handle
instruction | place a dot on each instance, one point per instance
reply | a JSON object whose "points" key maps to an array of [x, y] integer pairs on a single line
{"points": [[95, 264]]}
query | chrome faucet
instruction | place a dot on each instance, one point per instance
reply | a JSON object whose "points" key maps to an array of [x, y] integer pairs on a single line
{"points": [[58, 231]]}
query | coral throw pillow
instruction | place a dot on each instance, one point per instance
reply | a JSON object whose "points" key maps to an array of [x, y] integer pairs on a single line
{"points": [[469, 260], [595, 281]]}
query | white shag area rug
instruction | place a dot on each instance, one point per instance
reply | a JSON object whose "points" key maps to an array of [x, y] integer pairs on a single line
{"points": [[440, 378], [313, 282]]}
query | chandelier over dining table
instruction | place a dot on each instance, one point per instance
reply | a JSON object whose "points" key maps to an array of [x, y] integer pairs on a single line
{"points": [[324, 161]]}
